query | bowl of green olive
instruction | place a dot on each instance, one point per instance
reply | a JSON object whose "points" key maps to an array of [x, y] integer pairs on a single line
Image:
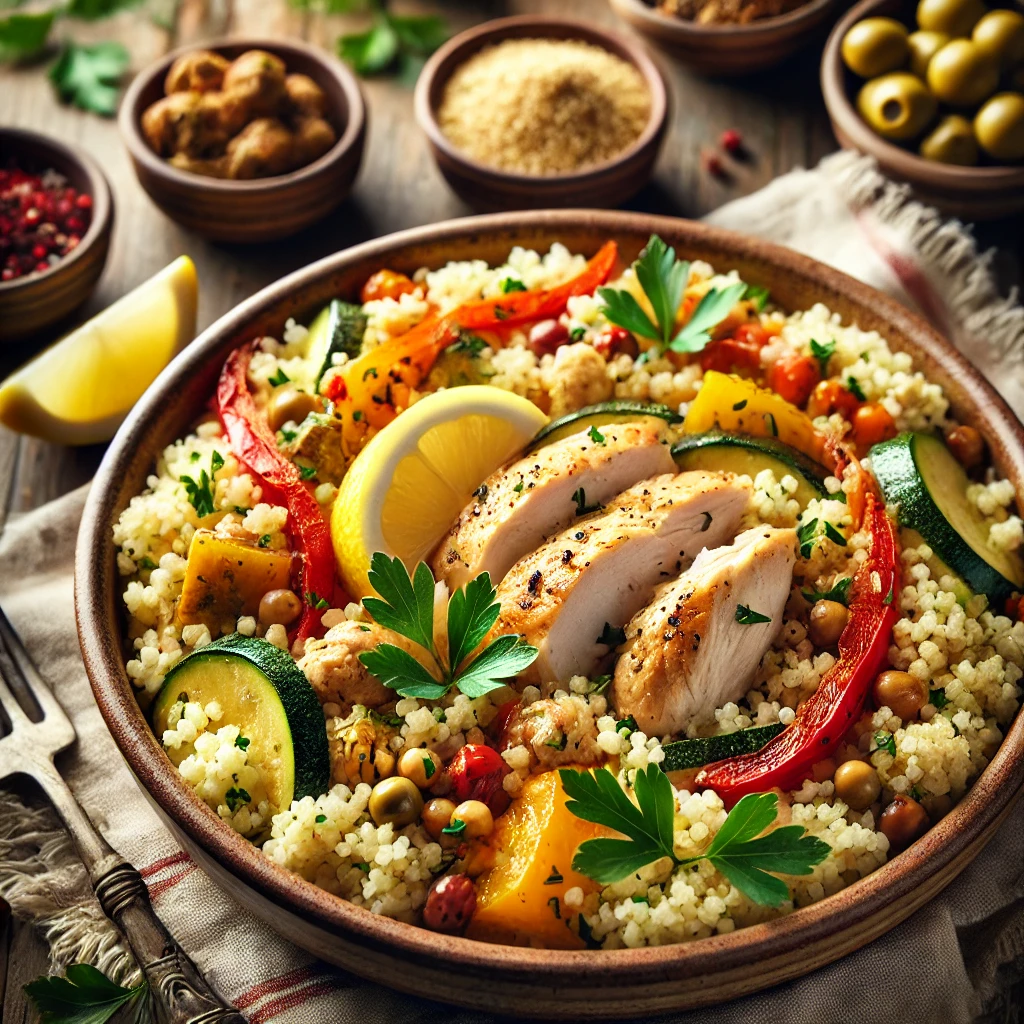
{"points": [[934, 90]]}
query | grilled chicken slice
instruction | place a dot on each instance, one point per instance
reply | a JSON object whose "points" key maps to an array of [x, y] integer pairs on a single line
{"points": [[523, 504], [697, 645], [570, 596]]}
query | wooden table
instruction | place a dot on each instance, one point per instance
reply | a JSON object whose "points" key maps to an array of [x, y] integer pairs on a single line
{"points": [[779, 113]]}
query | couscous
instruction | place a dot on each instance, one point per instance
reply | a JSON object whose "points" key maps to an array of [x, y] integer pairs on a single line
{"points": [[566, 604]]}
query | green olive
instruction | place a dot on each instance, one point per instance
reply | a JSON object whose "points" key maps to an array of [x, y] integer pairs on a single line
{"points": [[288, 403], [1000, 34], [827, 621], [951, 141], [954, 17], [999, 126], [857, 784], [395, 800], [897, 105], [923, 46], [874, 46], [961, 74]]}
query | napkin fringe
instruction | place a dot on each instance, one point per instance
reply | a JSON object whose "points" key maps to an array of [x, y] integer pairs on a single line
{"points": [[45, 883], [969, 288]]}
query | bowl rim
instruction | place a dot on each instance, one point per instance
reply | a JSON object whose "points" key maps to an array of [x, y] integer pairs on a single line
{"points": [[974, 816], [129, 116], [475, 38], [643, 12], [98, 189], [841, 109]]}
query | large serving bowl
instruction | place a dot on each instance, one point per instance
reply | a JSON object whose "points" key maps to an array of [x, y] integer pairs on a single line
{"points": [[526, 982]]}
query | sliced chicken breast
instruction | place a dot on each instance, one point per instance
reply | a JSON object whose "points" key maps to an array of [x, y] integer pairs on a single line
{"points": [[522, 504], [570, 596], [696, 646]]}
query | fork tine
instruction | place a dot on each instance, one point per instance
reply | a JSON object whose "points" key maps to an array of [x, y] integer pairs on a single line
{"points": [[14, 711], [33, 682]]}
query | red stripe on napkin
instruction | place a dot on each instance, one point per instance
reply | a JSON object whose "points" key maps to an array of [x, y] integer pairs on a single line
{"points": [[272, 985], [320, 987], [158, 865]]}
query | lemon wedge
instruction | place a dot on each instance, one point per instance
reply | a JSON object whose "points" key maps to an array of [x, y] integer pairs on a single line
{"points": [[409, 484], [80, 389]]}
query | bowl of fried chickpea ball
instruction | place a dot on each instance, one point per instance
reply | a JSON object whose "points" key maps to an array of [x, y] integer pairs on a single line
{"points": [[245, 141]]}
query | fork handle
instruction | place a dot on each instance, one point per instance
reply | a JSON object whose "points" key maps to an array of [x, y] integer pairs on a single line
{"points": [[179, 993]]}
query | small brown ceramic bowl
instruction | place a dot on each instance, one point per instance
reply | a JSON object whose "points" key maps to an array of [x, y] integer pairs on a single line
{"points": [[974, 193], [491, 188], [261, 209], [728, 50], [517, 982], [28, 305]]}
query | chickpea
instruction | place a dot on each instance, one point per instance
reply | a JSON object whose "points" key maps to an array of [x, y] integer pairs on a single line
{"points": [[280, 606], [201, 70], [477, 816], [437, 815], [395, 800], [305, 96], [903, 821], [901, 692], [289, 403], [828, 620], [857, 784], [871, 424], [546, 336], [420, 766], [967, 446]]}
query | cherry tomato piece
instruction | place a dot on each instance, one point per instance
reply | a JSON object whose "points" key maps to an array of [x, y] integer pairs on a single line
{"points": [[794, 377], [614, 340], [871, 424], [476, 772], [386, 284], [830, 396]]}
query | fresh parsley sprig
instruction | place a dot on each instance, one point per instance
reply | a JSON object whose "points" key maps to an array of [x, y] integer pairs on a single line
{"points": [[84, 994], [742, 850], [663, 279], [406, 606], [393, 42]]}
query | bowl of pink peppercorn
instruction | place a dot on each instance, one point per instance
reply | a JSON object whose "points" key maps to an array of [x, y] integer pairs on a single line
{"points": [[56, 216]]}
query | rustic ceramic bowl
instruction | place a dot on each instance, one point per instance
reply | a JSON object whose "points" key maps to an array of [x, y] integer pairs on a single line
{"points": [[490, 188], [728, 50], [28, 305], [974, 193], [591, 985], [264, 208]]}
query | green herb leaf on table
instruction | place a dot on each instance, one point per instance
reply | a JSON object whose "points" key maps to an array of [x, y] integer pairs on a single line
{"points": [[88, 76], [94, 10], [370, 52], [24, 35], [83, 996], [392, 42]]}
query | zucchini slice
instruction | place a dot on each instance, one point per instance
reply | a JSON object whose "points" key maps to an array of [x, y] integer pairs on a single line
{"points": [[920, 475], [338, 327], [598, 415], [742, 453], [684, 754], [264, 693]]}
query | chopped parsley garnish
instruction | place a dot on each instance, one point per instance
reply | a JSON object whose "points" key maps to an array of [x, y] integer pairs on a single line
{"points": [[236, 797], [806, 535], [357, 415], [314, 600], [612, 636], [501, 313], [834, 535], [365, 868], [194, 457], [456, 828], [264, 541], [740, 405], [582, 508], [838, 592], [200, 493], [428, 767], [216, 462], [511, 284], [320, 819], [518, 487], [887, 600], [146, 562], [626, 723], [641, 899], [741, 850], [555, 877], [664, 279], [242, 742], [823, 353], [595, 435], [887, 742], [748, 617], [279, 378], [853, 386], [757, 294], [370, 372], [558, 744], [289, 435], [577, 334], [307, 472], [468, 344], [406, 605], [599, 684], [938, 698]]}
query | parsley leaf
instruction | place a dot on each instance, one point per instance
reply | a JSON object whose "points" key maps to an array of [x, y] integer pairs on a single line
{"points": [[393, 42], [94, 10], [938, 698], [88, 76], [242, 742], [758, 295], [307, 472], [199, 493], [887, 742], [741, 850], [511, 284], [806, 534], [712, 309], [236, 797], [24, 35], [595, 435], [468, 344], [748, 617], [823, 353], [853, 386], [406, 605], [612, 636], [264, 541], [279, 378], [83, 995], [834, 535], [456, 828], [838, 592], [582, 508]]}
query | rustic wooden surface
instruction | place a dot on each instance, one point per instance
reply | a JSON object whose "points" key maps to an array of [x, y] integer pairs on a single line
{"points": [[779, 113]]}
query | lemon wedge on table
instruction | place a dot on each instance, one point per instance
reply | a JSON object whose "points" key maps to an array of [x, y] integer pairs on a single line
{"points": [[80, 389], [409, 484]]}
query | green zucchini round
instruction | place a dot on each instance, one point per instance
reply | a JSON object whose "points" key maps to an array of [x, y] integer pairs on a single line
{"points": [[598, 415]]}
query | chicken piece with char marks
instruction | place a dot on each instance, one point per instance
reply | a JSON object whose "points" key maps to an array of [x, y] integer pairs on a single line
{"points": [[696, 646], [569, 597]]}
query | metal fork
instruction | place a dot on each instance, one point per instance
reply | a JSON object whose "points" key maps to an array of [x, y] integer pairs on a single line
{"points": [[179, 994]]}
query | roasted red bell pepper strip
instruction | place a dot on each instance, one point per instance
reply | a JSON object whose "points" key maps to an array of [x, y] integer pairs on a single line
{"points": [[253, 442], [824, 718], [372, 388]]}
